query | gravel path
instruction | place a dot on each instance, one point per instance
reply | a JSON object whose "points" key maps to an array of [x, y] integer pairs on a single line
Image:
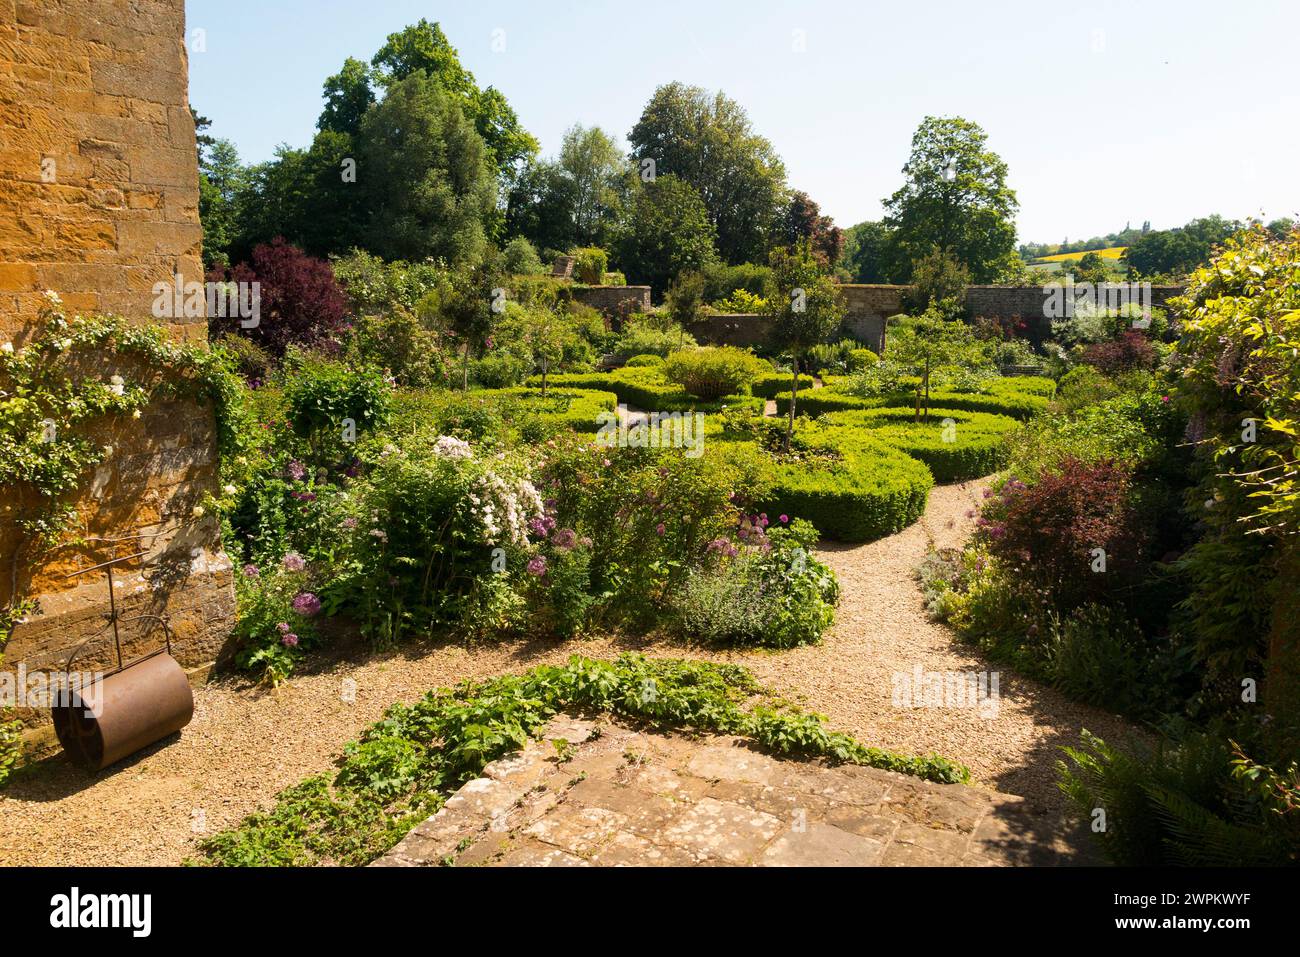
{"points": [[247, 742]]}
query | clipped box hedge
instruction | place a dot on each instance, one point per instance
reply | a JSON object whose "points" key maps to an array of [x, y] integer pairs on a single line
{"points": [[875, 490], [769, 385], [975, 446], [644, 388], [576, 409], [1020, 397]]}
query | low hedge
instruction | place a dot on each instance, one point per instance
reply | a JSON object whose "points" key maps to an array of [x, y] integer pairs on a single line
{"points": [[977, 445], [645, 389], [769, 385], [1018, 397], [573, 408], [874, 490]]}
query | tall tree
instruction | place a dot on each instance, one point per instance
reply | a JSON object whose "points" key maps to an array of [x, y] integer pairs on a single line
{"points": [[348, 94], [595, 165], [222, 180], [669, 231], [541, 206], [424, 47], [706, 140], [426, 175], [803, 219], [955, 197], [867, 252]]}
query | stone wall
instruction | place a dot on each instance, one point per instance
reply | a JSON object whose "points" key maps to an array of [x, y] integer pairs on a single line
{"points": [[615, 303], [98, 202]]}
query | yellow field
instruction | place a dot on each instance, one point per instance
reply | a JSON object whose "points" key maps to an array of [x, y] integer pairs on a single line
{"points": [[1111, 252]]}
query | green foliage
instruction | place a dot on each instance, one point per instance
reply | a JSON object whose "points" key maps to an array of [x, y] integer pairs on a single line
{"points": [[651, 336], [644, 360], [712, 372], [669, 231], [54, 396], [956, 199], [722, 281], [1179, 251], [769, 384], [323, 393], [589, 264], [956, 445], [429, 186], [1199, 802], [645, 388], [765, 590], [707, 142], [520, 258], [405, 765]]}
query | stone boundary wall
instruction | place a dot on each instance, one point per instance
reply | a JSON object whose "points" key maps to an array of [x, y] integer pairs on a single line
{"points": [[615, 303], [868, 307], [99, 201]]}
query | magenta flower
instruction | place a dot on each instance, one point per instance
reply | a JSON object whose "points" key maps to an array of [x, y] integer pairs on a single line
{"points": [[306, 604], [785, 519], [290, 640], [283, 628], [659, 529], [250, 571], [297, 471], [537, 566], [294, 562]]}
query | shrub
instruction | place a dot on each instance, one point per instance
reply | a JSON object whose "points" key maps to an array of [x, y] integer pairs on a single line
{"points": [[852, 487], [765, 589], [643, 361], [769, 384], [614, 278], [398, 342], [576, 409], [645, 388], [742, 301], [301, 302], [859, 359], [249, 359], [647, 335], [1048, 532], [276, 612], [378, 287], [1132, 350], [519, 258], [331, 403], [1099, 655], [1197, 802], [714, 371], [885, 377], [721, 281], [589, 264]]}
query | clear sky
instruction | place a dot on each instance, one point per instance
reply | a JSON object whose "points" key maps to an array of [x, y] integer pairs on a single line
{"points": [[1106, 112]]}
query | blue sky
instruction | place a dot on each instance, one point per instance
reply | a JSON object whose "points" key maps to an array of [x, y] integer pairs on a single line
{"points": [[1106, 112]]}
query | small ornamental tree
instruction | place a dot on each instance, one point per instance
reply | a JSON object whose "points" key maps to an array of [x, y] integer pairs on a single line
{"points": [[807, 308], [300, 300], [546, 334]]}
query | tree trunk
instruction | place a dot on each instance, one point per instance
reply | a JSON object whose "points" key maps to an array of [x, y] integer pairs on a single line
{"points": [[794, 393], [464, 370]]}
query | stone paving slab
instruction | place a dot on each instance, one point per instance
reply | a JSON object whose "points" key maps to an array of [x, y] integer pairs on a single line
{"points": [[599, 793]]}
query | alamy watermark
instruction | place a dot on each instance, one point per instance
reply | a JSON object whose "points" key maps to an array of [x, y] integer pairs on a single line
{"points": [[208, 300], [52, 689], [972, 690], [660, 430], [1064, 299]]}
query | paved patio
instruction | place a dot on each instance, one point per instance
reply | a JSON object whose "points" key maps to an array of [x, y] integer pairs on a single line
{"points": [[599, 793]]}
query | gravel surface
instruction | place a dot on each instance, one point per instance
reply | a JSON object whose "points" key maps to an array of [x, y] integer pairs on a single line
{"points": [[247, 742]]}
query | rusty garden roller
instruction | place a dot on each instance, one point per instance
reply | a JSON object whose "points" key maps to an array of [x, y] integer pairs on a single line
{"points": [[126, 709]]}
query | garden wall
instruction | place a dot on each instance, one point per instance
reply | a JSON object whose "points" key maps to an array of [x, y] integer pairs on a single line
{"points": [[99, 201], [615, 303], [868, 307]]}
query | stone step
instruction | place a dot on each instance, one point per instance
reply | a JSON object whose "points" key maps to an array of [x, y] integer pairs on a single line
{"points": [[599, 793]]}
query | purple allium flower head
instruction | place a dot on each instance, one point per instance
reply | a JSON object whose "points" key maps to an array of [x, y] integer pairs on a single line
{"points": [[659, 529], [283, 628], [290, 640], [537, 565], [294, 562], [250, 571], [306, 604], [297, 471]]}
